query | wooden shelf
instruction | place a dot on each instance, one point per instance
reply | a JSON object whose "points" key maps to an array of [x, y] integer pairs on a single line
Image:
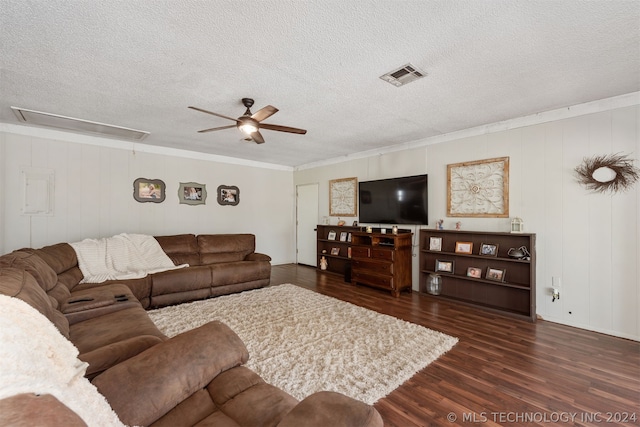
{"points": [[513, 295], [338, 264]]}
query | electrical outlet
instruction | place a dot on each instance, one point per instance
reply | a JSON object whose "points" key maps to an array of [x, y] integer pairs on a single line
{"points": [[556, 282]]}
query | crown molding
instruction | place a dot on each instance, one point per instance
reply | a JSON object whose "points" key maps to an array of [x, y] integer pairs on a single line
{"points": [[607, 104], [77, 138]]}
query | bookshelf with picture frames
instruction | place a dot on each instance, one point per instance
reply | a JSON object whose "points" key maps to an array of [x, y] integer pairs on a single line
{"points": [[476, 268], [334, 244]]}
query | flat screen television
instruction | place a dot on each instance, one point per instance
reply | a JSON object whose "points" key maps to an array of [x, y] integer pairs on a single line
{"points": [[394, 201]]}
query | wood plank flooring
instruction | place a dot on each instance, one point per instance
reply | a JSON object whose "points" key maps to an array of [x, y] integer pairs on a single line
{"points": [[503, 371]]}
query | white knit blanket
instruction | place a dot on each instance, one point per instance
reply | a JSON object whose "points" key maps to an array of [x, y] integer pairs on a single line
{"points": [[36, 358], [121, 257]]}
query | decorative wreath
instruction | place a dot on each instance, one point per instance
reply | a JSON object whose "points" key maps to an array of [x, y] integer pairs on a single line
{"points": [[622, 165]]}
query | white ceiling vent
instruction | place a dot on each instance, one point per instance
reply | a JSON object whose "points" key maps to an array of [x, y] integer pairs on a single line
{"points": [[403, 75], [76, 125]]}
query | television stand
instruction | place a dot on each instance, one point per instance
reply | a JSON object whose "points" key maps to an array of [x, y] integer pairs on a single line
{"points": [[381, 260]]}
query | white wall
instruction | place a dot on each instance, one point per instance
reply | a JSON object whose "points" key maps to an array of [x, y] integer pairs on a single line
{"points": [[94, 195], [591, 241], [588, 240]]}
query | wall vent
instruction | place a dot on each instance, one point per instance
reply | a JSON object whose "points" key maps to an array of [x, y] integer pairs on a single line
{"points": [[403, 75], [77, 125]]}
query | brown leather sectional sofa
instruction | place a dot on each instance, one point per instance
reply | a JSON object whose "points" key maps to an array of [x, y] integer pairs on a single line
{"points": [[195, 378]]}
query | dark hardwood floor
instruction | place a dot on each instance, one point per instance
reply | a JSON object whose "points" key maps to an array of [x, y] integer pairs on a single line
{"points": [[503, 371]]}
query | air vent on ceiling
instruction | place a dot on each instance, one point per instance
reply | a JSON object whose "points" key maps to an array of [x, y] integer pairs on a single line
{"points": [[77, 125], [403, 75]]}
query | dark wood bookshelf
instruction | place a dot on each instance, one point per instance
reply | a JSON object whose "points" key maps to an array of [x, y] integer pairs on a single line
{"points": [[512, 294]]}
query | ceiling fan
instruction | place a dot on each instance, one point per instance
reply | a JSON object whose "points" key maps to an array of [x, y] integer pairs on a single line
{"points": [[250, 123]]}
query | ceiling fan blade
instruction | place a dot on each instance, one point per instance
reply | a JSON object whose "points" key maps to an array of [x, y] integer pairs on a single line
{"points": [[263, 113], [210, 112], [257, 137], [282, 128], [218, 128]]}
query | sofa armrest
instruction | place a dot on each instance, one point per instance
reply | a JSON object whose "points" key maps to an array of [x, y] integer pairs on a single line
{"points": [[256, 256], [145, 387], [96, 299], [328, 408], [103, 358]]}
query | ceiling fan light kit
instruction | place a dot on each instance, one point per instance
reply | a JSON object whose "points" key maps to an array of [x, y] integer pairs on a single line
{"points": [[250, 124], [247, 125]]}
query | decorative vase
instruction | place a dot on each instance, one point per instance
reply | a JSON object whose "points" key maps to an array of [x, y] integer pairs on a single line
{"points": [[434, 284]]}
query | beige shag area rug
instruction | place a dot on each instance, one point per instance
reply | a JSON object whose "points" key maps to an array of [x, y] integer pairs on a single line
{"points": [[303, 342]]}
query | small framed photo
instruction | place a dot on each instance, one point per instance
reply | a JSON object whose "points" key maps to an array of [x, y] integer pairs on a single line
{"points": [[228, 195], [488, 249], [149, 190], [464, 247], [335, 251], [192, 193], [331, 235], [349, 237], [444, 266], [343, 236], [435, 243], [475, 272], [495, 274]]}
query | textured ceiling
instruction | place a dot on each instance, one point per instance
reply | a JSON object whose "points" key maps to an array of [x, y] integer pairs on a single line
{"points": [[139, 64]]}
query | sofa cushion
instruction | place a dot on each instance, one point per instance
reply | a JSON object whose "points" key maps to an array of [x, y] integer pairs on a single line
{"points": [[109, 339], [34, 265], [60, 257], [191, 360], [181, 248], [216, 248], [18, 283], [238, 272], [29, 409], [326, 408], [240, 388], [185, 279]]}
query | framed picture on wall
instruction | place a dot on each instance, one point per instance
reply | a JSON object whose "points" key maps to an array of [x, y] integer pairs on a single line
{"points": [[192, 193], [149, 190], [228, 195]]}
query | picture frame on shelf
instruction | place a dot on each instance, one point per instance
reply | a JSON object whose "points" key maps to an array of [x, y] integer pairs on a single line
{"points": [[435, 244], [349, 237], [343, 236], [335, 251], [331, 235], [444, 266], [495, 274], [488, 249], [475, 272], [464, 247]]}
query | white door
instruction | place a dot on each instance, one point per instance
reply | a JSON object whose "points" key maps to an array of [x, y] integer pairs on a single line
{"points": [[306, 222]]}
